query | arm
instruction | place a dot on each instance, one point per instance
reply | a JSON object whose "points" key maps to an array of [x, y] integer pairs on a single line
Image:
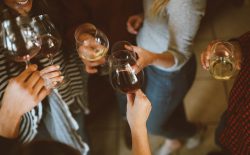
{"points": [[138, 110], [22, 94], [184, 21]]}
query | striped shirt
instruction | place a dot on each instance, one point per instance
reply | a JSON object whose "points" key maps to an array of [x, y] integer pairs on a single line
{"points": [[73, 91]]}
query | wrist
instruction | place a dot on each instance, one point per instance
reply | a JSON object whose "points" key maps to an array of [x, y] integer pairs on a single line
{"points": [[9, 123], [138, 128]]}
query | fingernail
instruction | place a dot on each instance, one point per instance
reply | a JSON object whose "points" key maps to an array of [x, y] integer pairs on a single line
{"points": [[61, 77], [57, 66], [54, 83]]}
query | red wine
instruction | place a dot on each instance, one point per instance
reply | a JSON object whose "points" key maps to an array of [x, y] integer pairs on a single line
{"points": [[125, 81], [24, 56], [50, 45]]}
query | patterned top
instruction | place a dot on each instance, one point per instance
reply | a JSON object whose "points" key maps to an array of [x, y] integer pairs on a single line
{"points": [[73, 91], [233, 133]]}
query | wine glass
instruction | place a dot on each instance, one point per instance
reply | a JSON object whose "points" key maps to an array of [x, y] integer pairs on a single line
{"points": [[91, 44], [20, 41], [123, 74], [222, 62], [51, 42], [51, 39]]}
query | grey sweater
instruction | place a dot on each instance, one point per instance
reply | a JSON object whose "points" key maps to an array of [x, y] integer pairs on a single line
{"points": [[173, 32]]}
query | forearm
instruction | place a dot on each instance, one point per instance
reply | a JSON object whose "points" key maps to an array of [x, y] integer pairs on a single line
{"points": [[165, 60], [9, 123], [140, 143]]}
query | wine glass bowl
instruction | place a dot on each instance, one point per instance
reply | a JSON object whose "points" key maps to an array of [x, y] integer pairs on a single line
{"points": [[222, 62], [91, 43], [19, 39], [123, 73], [51, 39]]}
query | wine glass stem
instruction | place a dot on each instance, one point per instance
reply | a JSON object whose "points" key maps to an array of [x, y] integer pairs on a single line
{"points": [[51, 61], [27, 63]]}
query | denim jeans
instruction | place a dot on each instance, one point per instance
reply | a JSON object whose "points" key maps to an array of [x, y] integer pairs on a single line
{"points": [[166, 91]]}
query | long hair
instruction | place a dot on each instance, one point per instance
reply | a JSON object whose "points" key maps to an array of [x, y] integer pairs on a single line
{"points": [[157, 8]]}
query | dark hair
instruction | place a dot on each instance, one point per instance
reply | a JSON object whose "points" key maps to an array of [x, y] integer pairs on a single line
{"points": [[45, 148]]}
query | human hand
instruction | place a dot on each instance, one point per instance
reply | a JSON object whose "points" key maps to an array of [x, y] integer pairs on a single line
{"points": [[134, 23], [52, 76], [24, 92], [138, 109], [144, 57], [206, 54]]}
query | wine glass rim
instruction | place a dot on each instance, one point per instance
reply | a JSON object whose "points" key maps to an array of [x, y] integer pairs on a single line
{"points": [[119, 42], [113, 55], [77, 30], [229, 48], [96, 31]]}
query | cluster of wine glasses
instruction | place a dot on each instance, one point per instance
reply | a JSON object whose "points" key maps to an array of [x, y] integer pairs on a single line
{"points": [[24, 37], [92, 45]]}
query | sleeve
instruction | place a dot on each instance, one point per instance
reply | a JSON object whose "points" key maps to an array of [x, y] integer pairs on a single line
{"points": [[183, 22]]}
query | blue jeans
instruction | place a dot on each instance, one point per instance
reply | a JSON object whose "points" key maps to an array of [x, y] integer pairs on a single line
{"points": [[166, 91]]}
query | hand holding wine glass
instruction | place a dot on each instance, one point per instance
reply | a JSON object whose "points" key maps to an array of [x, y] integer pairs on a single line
{"points": [[123, 74], [92, 46], [51, 43], [221, 59]]}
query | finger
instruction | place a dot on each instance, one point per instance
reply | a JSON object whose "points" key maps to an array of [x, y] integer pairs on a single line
{"points": [[137, 24], [26, 73], [91, 70], [33, 79], [42, 94], [37, 88], [56, 79], [51, 75], [202, 60], [130, 27], [49, 69], [238, 65], [131, 30], [130, 48]]}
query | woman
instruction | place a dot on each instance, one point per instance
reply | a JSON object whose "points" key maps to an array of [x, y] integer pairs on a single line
{"points": [[41, 122], [165, 32]]}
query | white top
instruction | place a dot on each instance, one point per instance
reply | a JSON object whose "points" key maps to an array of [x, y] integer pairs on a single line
{"points": [[174, 32]]}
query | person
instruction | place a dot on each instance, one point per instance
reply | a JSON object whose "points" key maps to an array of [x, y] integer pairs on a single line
{"points": [[165, 32], [232, 131], [60, 117], [26, 98]]}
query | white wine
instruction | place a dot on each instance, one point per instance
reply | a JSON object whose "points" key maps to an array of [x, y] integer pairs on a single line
{"points": [[222, 68], [94, 54]]}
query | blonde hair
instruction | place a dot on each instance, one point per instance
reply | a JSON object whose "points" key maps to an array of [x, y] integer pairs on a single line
{"points": [[158, 7]]}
